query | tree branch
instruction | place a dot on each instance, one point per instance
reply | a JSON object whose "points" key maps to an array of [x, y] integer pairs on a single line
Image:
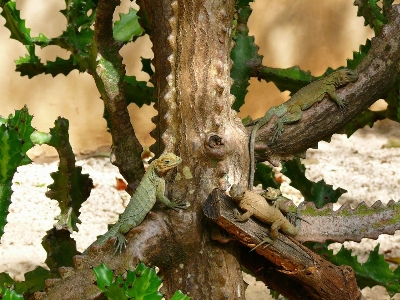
{"points": [[378, 72], [147, 243], [304, 273], [109, 75]]}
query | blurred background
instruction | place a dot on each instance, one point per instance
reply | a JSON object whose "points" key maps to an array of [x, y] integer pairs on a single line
{"points": [[310, 33]]}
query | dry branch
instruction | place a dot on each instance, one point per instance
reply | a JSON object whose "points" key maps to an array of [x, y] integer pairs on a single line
{"points": [[293, 262]]}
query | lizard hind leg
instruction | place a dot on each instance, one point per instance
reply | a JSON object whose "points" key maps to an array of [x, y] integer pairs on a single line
{"points": [[275, 228], [292, 115]]}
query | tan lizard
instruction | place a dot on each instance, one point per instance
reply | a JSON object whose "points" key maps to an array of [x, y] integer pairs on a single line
{"points": [[291, 110], [268, 212]]}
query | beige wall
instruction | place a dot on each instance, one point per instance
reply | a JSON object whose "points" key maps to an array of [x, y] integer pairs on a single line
{"points": [[313, 34]]}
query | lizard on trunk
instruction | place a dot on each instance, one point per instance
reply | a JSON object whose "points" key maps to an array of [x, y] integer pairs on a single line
{"points": [[265, 211], [291, 110], [151, 188]]}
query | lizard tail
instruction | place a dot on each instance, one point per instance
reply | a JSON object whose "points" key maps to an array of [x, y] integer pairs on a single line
{"points": [[252, 160], [104, 238]]}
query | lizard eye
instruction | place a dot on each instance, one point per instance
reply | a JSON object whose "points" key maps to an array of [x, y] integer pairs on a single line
{"points": [[167, 161]]}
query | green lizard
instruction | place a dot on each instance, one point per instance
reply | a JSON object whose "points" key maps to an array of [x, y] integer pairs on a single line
{"points": [[291, 110], [151, 188], [268, 212]]}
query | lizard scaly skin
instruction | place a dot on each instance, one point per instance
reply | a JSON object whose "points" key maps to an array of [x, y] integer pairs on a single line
{"points": [[151, 188], [257, 206], [291, 110]]}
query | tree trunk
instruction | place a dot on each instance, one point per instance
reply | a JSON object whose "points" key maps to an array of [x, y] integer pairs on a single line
{"points": [[191, 44]]}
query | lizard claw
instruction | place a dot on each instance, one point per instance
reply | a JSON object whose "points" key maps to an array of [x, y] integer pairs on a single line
{"points": [[237, 216], [120, 241], [179, 204], [265, 240]]}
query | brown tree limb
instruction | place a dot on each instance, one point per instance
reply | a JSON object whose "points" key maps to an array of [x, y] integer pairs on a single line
{"points": [[286, 266], [109, 73], [147, 243], [378, 72]]}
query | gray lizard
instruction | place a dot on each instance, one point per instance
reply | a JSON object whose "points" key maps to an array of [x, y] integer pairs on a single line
{"points": [[292, 110]]}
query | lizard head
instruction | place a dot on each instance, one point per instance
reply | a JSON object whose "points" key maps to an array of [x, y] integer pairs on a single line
{"points": [[166, 162], [237, 192], [271, 193], [344, 76]]}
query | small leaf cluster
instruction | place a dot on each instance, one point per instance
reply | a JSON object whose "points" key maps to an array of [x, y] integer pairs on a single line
{"points": [[78, 39], [70, 188], [141, 283], [34, 281]]}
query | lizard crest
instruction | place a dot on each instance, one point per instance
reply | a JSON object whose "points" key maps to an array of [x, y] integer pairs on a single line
{"points": [[166, 162]]}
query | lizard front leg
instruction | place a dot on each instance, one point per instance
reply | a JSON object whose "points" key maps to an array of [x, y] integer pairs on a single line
{"points": [[278, 111], [242, 218], [336, 98], [161, 197]]}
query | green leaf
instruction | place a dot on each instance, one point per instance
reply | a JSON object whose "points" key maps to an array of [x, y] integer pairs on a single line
{"points": [[146, 66], [320, 193], [290, 79], [34, 281], [14, 142], [61, 66], [60, 248], [10, 158], [22, 123], [375, 271], [371, 12], [265, 175], [78, 40], [244, 55], [80, 13], [140, 284], [15, 24], [7, 294], [127, 28], [138, 92], [359, 56], [30, 64], [393, 101], [145, 283], [78, 36], [179, 296], [104, 276], [367, 117], [242, 3], [70, 188], [17, 27]]}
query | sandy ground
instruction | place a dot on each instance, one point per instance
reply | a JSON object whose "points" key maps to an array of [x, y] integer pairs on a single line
{"points": [[360, 164]]}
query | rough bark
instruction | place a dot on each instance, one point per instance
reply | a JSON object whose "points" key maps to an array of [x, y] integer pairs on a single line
{"points": [[286, 266], [191, 44], [378, 71], [109, 75]]}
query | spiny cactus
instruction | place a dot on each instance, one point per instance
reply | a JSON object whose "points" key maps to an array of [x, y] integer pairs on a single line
{"points": [[14, 143], [142, 283]]}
